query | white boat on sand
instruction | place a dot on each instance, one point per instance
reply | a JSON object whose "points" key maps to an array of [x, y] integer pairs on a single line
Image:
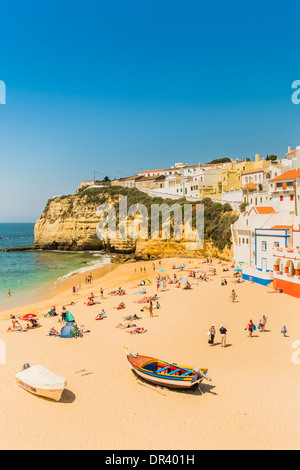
{"points": [[41, 381]]}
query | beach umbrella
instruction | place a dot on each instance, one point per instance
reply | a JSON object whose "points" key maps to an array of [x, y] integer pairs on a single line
{"points": [[241, 262], [161, 271], [69, 317], [237, 269], [202, 272], [184, 280], [28, 316]]}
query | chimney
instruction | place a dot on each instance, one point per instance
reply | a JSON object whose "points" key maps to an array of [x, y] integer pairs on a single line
{"points": [[257, 157], [289, 149]]}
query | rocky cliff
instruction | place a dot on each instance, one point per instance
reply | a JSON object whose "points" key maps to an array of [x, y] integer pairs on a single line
{"points": [[70, 222]]}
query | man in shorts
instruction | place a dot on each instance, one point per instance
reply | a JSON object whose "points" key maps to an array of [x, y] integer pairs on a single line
{"points": [[223, 332]]}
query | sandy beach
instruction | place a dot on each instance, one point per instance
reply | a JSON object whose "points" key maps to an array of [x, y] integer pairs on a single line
{"points": [[251, 402]]}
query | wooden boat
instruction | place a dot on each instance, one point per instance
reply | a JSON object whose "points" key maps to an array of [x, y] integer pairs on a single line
{"points": [[40, 381], [163, 373]]}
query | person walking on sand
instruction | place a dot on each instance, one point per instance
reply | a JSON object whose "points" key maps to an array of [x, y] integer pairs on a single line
{"points": [[233, 296], [250, 328], [223, 332], [101, 293], [284, 330], [212, 334], [262, 323]]}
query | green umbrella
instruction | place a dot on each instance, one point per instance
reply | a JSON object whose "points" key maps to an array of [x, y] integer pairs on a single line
{"points": [[69, 317]]}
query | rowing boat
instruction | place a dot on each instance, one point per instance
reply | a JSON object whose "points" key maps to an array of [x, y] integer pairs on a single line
{"points": [[163, 373], [41, 381]]}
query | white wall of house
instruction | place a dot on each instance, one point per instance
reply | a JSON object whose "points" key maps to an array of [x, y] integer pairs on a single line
{"points": [[266, 240], [233, 196]]}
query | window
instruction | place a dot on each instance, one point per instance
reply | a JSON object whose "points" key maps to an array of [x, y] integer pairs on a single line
{"points": [[291, 197], [276, 244], [281, 198], [264, 246]]}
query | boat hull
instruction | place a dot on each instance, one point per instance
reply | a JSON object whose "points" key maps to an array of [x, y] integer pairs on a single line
{"points": [[165, 382], [164, 374], [52, 394]]}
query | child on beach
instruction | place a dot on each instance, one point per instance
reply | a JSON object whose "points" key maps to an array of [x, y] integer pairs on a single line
{"points": [[284, 330]]}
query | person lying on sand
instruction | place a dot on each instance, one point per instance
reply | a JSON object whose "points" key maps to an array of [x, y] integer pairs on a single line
{"points": [[53, 332], [187, 286], [91, 302], [126, 325], [120, 306], [137, 331]]}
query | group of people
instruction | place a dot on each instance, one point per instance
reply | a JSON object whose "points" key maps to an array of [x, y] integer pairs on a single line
{"points": [[212, 333], [16, 325]]}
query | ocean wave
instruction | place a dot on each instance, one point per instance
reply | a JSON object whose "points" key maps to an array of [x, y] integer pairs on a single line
{"points": [[91, 266]]}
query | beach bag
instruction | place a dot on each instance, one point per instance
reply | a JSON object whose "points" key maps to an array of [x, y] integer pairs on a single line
{"points": [[253, 328], [259, 326]]}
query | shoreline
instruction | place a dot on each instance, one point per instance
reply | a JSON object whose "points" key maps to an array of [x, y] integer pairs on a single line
{"points": [[57, 289]]}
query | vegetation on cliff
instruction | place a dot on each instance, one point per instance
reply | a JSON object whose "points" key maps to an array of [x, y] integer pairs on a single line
{"points": [[217, 217]]}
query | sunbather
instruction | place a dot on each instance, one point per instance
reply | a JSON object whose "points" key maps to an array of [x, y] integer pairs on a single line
{"points": [[53, 332], [137, 331]]}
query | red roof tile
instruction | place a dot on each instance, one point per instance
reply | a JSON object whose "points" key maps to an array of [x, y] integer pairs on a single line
{"points": [[264, 210], [288, 175]]}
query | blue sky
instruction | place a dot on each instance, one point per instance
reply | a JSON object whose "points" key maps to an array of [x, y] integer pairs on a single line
{"points": [[120, 86]]}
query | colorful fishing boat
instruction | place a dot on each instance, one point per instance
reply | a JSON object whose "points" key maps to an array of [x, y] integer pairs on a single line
{"points": [[163, 373]]}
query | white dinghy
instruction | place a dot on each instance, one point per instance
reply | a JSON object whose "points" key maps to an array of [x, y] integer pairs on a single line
{"points": [[41, 381]]}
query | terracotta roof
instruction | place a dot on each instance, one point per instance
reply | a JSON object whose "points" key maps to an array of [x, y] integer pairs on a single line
{"points": [[249, 186], [288, 175], [246, 172], [291, 153], [264, 210], [282, 227]]}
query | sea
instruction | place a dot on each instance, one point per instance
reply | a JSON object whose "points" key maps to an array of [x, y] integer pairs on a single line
{"points": [[27, 273]]}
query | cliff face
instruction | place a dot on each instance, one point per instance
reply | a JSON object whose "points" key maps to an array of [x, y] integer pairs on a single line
{"points": [[70, 222]]}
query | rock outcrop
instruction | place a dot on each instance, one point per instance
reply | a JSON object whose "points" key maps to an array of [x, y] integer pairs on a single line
{"points": [[70, 223]]}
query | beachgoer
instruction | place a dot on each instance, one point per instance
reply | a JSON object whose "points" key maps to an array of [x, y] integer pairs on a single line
{"points": [[233, 296], [284, 330], [151, 308], [212, 334], [53, 332], [101, 293], [250, 328], [223, 332], [262, 323], [15, 325]]}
